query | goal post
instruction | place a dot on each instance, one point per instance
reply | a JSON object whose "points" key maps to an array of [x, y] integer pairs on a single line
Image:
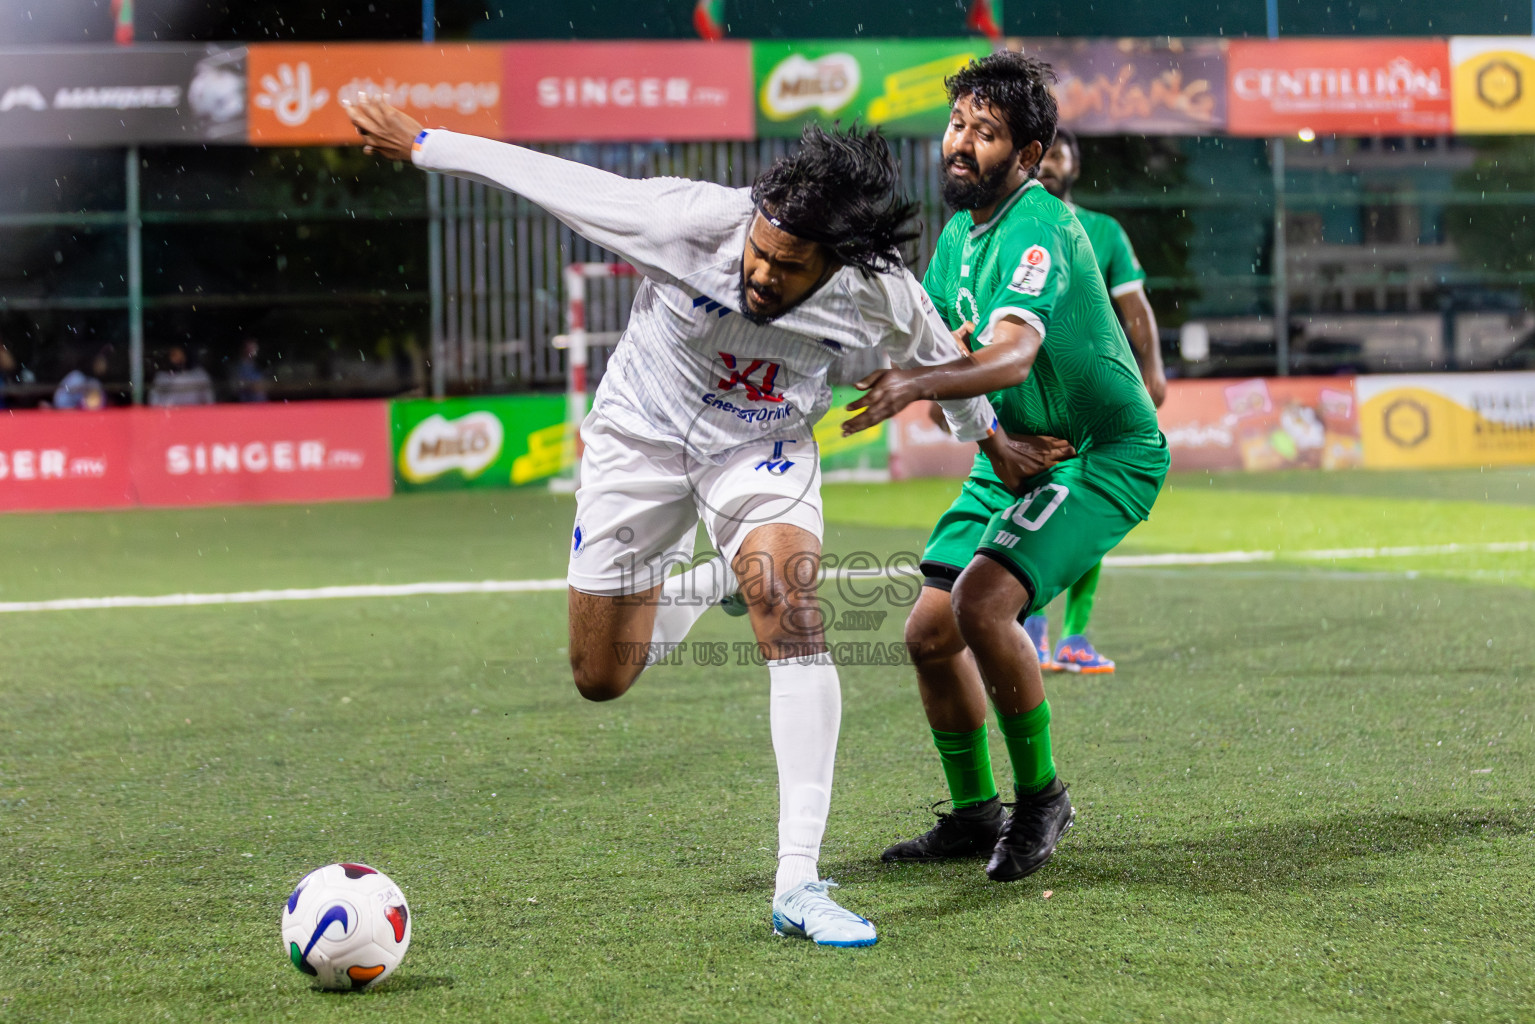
{"points": [[578, 342]]}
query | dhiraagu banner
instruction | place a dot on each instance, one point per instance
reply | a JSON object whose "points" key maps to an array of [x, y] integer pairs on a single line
{"points": [[1447, 419], [506, 441], [896, 84]]}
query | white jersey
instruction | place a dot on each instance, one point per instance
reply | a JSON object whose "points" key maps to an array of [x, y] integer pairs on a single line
{"points": [[690, 370]]}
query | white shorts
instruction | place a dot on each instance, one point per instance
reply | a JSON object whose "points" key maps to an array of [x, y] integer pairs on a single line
{"points": [[639, 504]]}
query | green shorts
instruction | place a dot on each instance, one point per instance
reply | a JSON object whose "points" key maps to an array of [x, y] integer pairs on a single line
{"points": [[1060, 528]]}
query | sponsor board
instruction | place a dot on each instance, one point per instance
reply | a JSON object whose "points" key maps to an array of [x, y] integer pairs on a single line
{"points": [[920, 447], [1338, 86], [228, 455], [65, 460], [117, 96], [296, 88], [203, 455], [1466, 419], [1494, 84], [896, 84], [508, 441], [1262, 423], [863, 456], [576, 92], [1136, 86]]}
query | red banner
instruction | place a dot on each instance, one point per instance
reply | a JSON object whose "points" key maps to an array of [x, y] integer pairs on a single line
{"points": [[1341, 86], [207, 455], [590, 92], [1263, 423], [920, 447], [58, 460]]}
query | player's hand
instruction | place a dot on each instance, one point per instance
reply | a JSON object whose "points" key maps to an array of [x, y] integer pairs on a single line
{"points": [[962, 337], [886, 392], [387, 131], [1017, 457], [1156, 387]]}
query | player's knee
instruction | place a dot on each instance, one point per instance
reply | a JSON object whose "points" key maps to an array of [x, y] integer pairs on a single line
{"points": [[596, 680], [931, 638], [980, 617]]}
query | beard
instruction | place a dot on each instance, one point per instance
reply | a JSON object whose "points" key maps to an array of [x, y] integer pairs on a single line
{"points": [[746, 310], [986, 190]]}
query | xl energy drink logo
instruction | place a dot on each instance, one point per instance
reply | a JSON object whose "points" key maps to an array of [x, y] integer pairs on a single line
{"points": [[437, 445]]}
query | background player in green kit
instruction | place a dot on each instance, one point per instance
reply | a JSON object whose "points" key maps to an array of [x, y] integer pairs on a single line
{"points": [[1015, 263], [1126, 282]]}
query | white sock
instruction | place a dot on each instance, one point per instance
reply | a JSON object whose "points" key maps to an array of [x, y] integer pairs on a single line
{"points": [[805, 712], [687, 595]]}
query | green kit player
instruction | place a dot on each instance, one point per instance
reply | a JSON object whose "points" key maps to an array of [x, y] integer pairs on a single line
{"points": [[1126, 282], [1015, 263]]}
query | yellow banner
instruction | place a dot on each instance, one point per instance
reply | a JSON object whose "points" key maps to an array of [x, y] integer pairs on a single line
{"points": [[1429, 420], [1493, 89]]}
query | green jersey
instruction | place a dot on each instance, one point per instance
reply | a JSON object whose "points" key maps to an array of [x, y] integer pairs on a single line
{"points": [[1122, 272], [1032, 260]]}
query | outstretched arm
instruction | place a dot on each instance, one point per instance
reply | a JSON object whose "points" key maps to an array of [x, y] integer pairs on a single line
{"points": [[651, 222]]}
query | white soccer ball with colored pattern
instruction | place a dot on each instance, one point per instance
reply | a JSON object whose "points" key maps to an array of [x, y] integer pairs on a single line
{"points": [[347, 926]]}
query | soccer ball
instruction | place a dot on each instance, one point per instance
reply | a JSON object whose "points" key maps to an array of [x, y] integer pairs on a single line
{"points": [[347, 926]]}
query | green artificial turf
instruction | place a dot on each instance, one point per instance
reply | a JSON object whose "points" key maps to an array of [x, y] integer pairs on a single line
{"points": [[1307, 794]]}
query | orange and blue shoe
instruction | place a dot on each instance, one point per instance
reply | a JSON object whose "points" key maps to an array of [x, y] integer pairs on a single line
{"points": [[1039, 632], [1075, 654]]}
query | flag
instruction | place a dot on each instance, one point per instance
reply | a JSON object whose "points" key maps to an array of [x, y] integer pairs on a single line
{"points": [[709, 18], [985, 17], [122, 16]]}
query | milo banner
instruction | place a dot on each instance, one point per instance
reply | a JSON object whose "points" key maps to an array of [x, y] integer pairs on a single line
{"points": [[896, 84], [1463, 419], [476, 442], [863, 457], [115, 96], [1136, 86]]}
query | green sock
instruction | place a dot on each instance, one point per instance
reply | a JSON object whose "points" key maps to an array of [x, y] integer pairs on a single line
{"points": [[1079, 602], [1028, 746], [967, 766]]}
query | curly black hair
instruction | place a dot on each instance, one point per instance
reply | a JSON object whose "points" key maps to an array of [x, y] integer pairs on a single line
{"points": [[1018, 87], [841, 188]]}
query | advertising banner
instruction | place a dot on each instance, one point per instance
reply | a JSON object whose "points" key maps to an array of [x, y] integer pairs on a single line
{"points": [[587, 92], [865, 456], [1263, 423], [223, 455], [296, 88], [1494, 84], [1463, 419], [920, 447], [508, 441], [896, 84], [1342, 86], [1139, 86], [63, 460], [114, 96]]}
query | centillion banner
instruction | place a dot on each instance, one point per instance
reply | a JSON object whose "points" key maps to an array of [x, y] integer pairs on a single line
{"points": [[1464, 419]]}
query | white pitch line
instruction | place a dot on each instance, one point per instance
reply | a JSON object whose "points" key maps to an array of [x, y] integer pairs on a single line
{"points": [[535, 586]]}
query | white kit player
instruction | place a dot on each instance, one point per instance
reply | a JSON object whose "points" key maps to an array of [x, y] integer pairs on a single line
{"points": [[706, 412]]}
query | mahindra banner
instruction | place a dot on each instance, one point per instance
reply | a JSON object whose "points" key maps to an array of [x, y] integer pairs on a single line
{"points": [[118, 96], [1338, 86], [296, 89], [210, 455], [581, 92]]}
